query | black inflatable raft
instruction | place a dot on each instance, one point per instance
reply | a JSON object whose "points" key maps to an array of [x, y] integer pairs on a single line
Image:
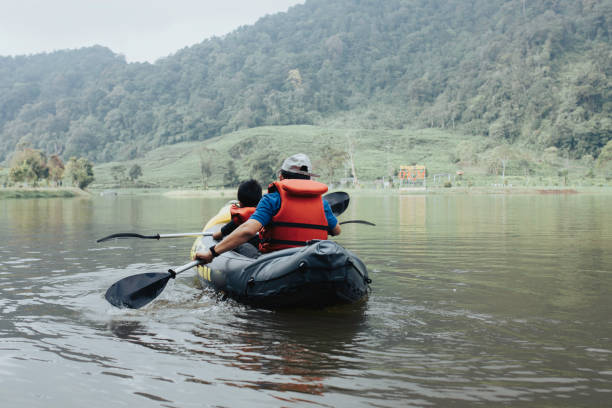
{"points": [[318, 275]]}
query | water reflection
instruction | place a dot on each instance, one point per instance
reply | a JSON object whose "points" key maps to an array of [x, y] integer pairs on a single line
{"points": [[412, 210], [34, 216], [136, 332], [304, 346]]}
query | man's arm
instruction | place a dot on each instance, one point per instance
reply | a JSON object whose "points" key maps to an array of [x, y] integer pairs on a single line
{"points": [[242, 234], [336, 230], [331, 220]]}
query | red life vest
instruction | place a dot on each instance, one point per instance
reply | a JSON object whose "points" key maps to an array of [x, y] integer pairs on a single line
{"points": [[241, 214], [301, 216]]}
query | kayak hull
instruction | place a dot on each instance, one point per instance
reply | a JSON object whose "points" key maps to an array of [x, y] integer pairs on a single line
{"points": [[315, 276]]}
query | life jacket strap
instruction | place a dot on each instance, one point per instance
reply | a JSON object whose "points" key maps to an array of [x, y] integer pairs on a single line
{"points": [[285, 242], [298, 225]]}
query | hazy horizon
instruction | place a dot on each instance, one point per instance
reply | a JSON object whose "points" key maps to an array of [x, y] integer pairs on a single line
{"points": [[140, 30]]}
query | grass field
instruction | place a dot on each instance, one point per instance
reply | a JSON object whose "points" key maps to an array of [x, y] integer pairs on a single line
{"points": [[377, 154]]}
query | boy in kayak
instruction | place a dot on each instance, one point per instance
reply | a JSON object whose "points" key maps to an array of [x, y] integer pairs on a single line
{"points": [[249, 194], [291, 214]]}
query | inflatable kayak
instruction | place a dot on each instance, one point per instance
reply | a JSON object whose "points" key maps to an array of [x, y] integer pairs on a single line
{"points": [[317, 275]]}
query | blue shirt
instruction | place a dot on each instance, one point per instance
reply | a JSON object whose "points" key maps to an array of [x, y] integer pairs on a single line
{"points": [[270, 204]]}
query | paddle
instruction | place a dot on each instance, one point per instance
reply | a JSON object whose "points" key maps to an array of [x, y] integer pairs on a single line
{"points": [[338, 201], [156, 236], [136, 291], [358, 222]]}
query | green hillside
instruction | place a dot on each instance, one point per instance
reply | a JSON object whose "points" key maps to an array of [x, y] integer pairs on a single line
{"points": [[524, 72], [378, 154]]}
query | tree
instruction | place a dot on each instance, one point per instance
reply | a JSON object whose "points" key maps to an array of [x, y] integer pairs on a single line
{"points": [[206, 164], [85, 137], [20, 173], [604, 160], [498, 159], [56, 169], [230, 177], [79, 172], [263, 167], [551, 155], [503, 129], [135, 172], [475, 65], [466, 153], [295, 78], [330, 158], [29, 165], [205, 172], [118, 173]]}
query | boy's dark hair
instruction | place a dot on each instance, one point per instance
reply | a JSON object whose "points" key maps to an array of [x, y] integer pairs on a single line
{"points": [[290, 175], [249, 193]]}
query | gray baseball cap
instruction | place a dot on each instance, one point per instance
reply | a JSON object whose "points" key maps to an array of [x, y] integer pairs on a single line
{"points": [[298, 163]]}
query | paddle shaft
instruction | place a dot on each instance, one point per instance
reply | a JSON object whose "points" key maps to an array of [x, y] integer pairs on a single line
{"points": [[357, 222], [338, 202], [156, 236], [180, 269], [186, 234]]}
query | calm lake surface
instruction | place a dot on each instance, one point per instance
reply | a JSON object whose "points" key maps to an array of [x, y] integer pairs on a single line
{"points": [[477, 301]]}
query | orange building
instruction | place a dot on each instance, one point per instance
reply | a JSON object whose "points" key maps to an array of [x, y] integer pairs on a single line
{"points": [[412, 174]]}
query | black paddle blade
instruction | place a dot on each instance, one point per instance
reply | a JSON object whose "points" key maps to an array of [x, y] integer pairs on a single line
{"points": [[136, 291], [338, 201], [127, 235]]}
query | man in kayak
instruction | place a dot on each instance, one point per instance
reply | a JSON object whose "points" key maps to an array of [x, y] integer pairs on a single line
{"points": [[291, 214]]}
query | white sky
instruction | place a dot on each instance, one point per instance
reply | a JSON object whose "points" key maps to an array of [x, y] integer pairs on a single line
{"points": [[142, 30]]}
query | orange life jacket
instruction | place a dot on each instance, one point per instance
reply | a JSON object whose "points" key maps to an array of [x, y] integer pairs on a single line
{"points": [[301, 216], [241, 214]]}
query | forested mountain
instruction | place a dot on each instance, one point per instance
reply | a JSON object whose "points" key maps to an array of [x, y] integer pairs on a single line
{"points": [[527, 71]]}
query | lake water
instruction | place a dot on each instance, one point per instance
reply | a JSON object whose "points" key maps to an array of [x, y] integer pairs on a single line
{"points": [[479, 300]]}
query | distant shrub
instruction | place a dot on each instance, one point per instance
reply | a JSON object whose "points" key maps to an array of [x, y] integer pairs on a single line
{"points": [[448, 184]]}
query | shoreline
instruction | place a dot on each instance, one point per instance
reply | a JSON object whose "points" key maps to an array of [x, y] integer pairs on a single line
{"points": [[72, 192], [211, 193], [482, 190], [478, 190], [42, 192]]}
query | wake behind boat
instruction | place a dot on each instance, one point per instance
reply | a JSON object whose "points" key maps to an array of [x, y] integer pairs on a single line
{"points": [[317, 275]]}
